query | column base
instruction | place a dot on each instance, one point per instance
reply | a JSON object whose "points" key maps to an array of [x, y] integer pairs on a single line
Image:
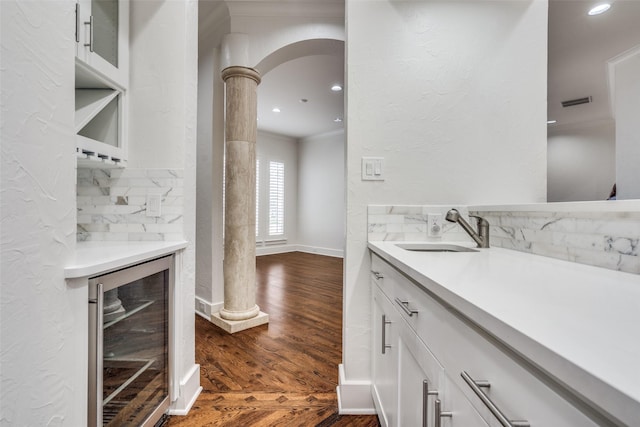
{"points": [[233, 326]]}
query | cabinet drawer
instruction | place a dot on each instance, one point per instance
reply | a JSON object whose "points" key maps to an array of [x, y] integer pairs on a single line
{"points": [[382, 274], [516, 389]]}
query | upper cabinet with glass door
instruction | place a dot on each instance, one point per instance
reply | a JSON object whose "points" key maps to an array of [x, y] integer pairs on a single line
{"points": [[102, 81], [102, 35]]}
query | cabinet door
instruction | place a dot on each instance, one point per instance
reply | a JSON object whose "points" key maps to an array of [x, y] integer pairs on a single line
{"points": [[419, 380], [102, 28], [101, 81], [384, 359], [422, 382]]}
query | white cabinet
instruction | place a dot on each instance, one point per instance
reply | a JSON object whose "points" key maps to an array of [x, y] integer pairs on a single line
{"points": [[385, 359], [102, 80], [102, 38], [420, 380], [410, 387], [469, 370]]}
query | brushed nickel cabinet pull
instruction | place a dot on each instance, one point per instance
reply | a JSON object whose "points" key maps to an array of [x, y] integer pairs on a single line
{"points": [[404, 305], [385, 322], [476, 386], [90, 24], [440, 414], [425, 402], [77, 22]]}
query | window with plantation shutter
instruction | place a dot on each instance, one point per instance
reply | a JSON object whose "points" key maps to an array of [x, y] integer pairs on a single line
{"points": [[276, 199]]}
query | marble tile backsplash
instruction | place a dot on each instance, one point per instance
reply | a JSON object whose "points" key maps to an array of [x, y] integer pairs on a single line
{"points": [[409, 223], [603, 239], [112, 204]]}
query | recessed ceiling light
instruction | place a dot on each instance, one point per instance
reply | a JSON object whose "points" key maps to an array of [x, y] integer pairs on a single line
{"points": [[336, 88], [601, 8], [337, 120], [550, 122], [276, 110]]}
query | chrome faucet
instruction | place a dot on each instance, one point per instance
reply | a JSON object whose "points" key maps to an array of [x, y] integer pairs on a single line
{"points": [[481, 237]]}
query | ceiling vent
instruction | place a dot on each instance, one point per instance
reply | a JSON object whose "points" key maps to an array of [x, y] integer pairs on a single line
{"points": [[572, 102]]}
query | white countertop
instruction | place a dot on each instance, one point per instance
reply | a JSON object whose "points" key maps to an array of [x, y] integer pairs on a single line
{"points": [[93, 258], [579, 323]]}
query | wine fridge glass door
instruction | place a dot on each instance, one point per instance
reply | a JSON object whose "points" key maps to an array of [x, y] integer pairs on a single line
{"points": [[129, 345]]}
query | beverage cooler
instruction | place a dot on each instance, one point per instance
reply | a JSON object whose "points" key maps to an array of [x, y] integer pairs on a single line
{"points": [[129, 342]]}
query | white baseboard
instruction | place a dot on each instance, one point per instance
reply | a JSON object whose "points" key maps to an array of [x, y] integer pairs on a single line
{"points": [[336, 253], [354, 397], [275, 249], [189, 391], [205, 308], [281, 249]]}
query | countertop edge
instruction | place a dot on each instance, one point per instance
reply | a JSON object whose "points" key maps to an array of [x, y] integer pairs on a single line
{"points": [[598, 393], [101, 257]]}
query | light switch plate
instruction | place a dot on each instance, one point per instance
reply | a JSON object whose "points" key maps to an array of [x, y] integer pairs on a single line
{"points": [[373, 168]]}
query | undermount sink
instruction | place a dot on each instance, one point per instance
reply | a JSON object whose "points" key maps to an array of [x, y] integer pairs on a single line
{"points": [[434, 247]]}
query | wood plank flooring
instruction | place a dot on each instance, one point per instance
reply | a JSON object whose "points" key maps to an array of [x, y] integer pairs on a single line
{"points": [[284, 373]]}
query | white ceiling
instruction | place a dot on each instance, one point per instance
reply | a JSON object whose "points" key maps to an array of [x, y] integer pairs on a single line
{"points": [[579, 48], [310, 78]]}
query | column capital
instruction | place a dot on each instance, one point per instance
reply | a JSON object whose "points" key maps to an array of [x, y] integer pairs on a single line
{"points": [[240, 71]]}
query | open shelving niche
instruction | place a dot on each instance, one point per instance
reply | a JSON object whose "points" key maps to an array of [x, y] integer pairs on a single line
{"points": [[99, 119]]}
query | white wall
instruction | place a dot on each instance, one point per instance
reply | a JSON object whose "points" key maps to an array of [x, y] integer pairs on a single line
{"points": [[627, 94], [162, 134], [279, 148], [210, 164], [210, 168], [43, 381], [581, 162], [321, 213], [158, 72], [274, 25], [44, 318], [453, 95]]}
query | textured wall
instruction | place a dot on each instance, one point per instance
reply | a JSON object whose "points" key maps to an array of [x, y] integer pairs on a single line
{"points": [[41, 356], [453, 95], [164, 67]]}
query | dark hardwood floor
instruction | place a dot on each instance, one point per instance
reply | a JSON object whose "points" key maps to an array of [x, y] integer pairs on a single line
{"points": [[284, 373]]}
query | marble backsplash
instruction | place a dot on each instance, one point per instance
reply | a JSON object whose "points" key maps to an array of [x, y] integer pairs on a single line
{"points": [[112, 204], [608, 238], [409, 223]]}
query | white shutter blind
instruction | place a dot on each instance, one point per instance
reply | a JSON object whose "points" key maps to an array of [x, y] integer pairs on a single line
{"points": [[276, 199]]}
